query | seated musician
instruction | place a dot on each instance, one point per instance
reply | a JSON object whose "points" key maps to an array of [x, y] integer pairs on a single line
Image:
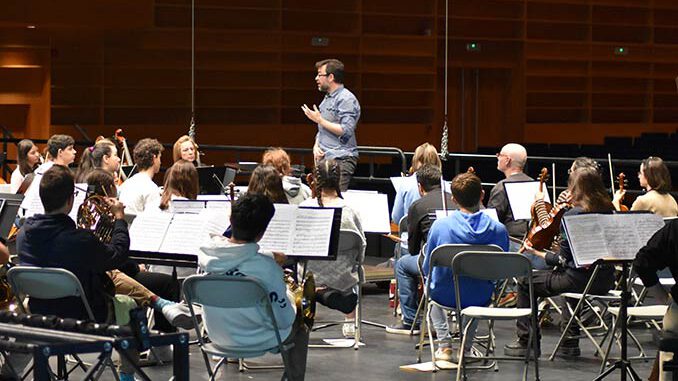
{"points": [[337, 278], [418, 225], [181, 183], [588, 195], [661, 252], [52, 240], [102, 183], [103, 154], [295, 190], [409, 193], [60, 151], [464, 226], [185, 149], [655, 179], [139, 192], [28, 159], [239, 255], [266, 180]]}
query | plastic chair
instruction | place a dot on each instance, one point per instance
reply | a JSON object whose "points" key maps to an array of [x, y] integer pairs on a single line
{"points": [[494, 266], [50, 283], [231, 292]]}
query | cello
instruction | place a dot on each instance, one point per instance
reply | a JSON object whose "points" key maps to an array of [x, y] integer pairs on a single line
{"points": [[622, 185], [545, 220]]}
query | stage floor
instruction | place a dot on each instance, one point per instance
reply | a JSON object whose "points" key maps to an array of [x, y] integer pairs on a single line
{"points": [[383, 353]]}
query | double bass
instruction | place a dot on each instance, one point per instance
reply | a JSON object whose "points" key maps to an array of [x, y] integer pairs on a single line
{"points": [[545, 220]]}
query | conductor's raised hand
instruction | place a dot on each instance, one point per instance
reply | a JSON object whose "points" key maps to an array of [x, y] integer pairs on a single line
{"points": [[313, 115]]}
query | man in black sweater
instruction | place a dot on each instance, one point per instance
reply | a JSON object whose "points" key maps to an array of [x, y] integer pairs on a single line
{"points": [[418, 225]]}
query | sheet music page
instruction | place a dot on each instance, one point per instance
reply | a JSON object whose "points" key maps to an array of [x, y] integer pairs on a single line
{"points": [[148, 231], [278, 235], [586, 237], [621, 239], [212, 197], [219, 204], [216, 220], [646, 224], [313, 230], [520, 195], [373, 210], [187, 206], [185, 234], [398, 181], [80, 193]]}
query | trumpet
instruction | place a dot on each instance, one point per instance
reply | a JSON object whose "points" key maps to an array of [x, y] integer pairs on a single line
{"points": [[303, 295]]}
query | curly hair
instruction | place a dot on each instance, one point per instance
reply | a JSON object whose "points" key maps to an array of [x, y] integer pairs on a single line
{"points": [[145, 151]]}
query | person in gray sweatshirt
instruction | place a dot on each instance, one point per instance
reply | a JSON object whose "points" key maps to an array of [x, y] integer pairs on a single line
{"points": [[240, 256]]}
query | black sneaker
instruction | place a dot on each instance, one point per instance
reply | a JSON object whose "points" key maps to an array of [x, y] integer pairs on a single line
{"points": [[403, 329], [518, 348]]}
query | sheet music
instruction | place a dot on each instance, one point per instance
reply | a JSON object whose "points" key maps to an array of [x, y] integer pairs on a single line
{"points": [[399, 181], [373, 210], [216, 221], [520, 196], [313, 230], [148, 231], [187, 206], [219, 204], [185, 234], [491, 212], [278, 235], [79, 196], [299, 231], [212, 197], [609, 236]]}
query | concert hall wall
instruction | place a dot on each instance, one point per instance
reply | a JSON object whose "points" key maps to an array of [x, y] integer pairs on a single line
{"points": [[551, 71]]}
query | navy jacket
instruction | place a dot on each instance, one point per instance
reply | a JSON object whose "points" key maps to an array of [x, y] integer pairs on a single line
{"points": [[54, 241]]}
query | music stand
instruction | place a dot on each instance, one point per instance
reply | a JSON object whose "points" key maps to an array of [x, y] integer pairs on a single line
{"points": [[208, 183], [9, 207], [623, 363]]}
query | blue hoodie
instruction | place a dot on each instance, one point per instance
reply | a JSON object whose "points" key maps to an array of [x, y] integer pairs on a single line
{"points": [[462, 228]]}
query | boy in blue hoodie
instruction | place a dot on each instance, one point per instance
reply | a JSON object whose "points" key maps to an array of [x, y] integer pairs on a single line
{"points": [[464, 226], [239, 255]]}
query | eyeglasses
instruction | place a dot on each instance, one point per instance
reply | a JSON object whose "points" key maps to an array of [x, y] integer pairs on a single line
{"points": [[499, 154], [321, 75]]}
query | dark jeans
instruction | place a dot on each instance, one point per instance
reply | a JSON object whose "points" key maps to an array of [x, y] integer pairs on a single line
{"points": [[346, 168], [555, 282], [165, 287], [297, 354]]}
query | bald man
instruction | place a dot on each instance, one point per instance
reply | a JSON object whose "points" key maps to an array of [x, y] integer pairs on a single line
{"points": [[510, 161]]}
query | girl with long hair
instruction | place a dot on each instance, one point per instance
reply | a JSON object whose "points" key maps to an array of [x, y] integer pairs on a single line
{"points": [[28, 158], [337, 279], [655, 179], [181, 182], [266, 180], [103, 154]]}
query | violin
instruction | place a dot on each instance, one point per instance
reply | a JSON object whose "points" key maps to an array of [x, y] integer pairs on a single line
{"points": [[545, 219], [622, 184]]}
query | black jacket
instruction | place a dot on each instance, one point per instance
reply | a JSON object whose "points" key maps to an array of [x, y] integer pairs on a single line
{"points": [[418, 221], [499, 201], [54, 241], [660, 252]]}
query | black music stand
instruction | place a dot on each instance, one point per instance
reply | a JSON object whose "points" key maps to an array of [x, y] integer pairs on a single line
{"points": [[623, 363], [9, 207]]}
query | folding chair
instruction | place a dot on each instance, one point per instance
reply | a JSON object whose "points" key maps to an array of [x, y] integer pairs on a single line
{"points": [[350, 242], [52, 283], [442, 256], [402, 233], [231, 293], [486, 265]]}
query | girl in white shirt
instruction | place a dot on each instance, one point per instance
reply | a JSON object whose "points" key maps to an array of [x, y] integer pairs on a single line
{"points": [[28, 159]]}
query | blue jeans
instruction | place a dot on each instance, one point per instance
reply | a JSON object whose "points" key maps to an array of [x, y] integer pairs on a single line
{"points": [[407, 273]]}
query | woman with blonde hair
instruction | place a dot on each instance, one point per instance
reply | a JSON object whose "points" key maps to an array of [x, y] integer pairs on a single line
{"points": [[185, 149], [409, 192]]}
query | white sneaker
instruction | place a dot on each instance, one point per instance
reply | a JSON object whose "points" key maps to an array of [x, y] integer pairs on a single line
{"points": [[444, 354], [178, 315], [348, 329]]}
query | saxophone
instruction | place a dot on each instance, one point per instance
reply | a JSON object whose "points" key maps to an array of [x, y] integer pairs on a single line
{"points": [[303, 296], [95, 215]]}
